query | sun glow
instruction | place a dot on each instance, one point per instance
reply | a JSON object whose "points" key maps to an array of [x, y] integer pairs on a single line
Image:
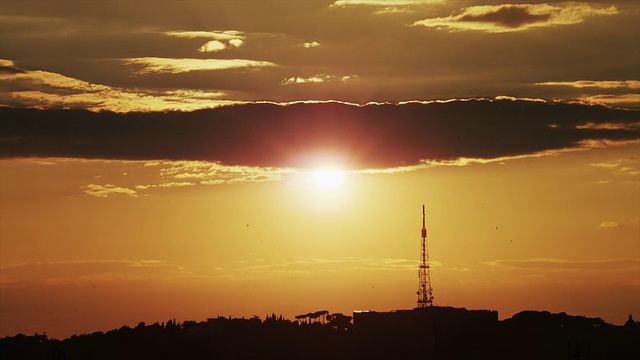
{"points": [[328, 178]]}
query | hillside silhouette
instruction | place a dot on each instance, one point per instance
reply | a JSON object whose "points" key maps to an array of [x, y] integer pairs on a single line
{"points": [[320, 335]]}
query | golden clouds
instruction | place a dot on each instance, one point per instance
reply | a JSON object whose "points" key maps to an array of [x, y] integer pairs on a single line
{"points": [[318, 78], [217, 35], [212, 46], [608, 224], [341, 3], [604, 84], [614, 100], [107, 190], [395, 61], [38, 77], [138, 179], [311, 44], [6, 63], [220, 40], [514, 17], [46, 89], [386, 6], [151, 65], [117, 100], [207, 173], [175, 174], [627, 169], [610, 126]]}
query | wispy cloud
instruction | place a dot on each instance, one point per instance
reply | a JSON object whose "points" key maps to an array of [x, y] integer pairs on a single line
{"points": [[8, 67], [220, 40], [108, 190], [381, 7], [628, 167], [602, 84], [318, 78], [607, 165], [463, 161], [52, 90], [149, 65], [65, 272], [622, 100], [516, 17], [183, 174], [215, 173], [226, 35], [165, 185], [560, 264], [384, 3], [610, 126], [157, 175], [608, 224], [323, 264], [613, 97]]}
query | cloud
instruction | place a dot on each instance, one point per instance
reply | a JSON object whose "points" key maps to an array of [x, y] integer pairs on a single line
{"points": [[383, 3], [165, 185], [236, 42], [67, 272], [173, 174], [608, 224], [310, 44], [559, 264], [615, 97], [338, 265], [611, 126], [207, 173], [631, 101], [514, 17], [318, 78], [212, 46], [621, 167], [291, 136], [149, 65], [220, 40], [602, 84], [216, 35], [52, 90], [9, 69], [607, 165], [107, 190], [386, 6]]}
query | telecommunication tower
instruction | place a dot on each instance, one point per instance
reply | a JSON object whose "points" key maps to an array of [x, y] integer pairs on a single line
{"points": [[425, 292]]}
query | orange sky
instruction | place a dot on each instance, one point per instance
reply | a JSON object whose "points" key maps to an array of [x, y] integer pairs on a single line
{"points": [[138, 193], [556, 233]]}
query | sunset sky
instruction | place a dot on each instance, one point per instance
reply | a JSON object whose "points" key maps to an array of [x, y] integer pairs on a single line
{"points": [[160, 159]]}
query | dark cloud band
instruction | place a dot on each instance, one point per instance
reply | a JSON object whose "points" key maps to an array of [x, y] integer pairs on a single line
{"points": [[372, 136]]}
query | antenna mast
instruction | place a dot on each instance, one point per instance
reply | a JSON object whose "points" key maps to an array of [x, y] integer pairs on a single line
{"points": [[425, 292]]}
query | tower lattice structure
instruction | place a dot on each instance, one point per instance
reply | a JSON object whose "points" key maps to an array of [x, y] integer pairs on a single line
{"points": [[425, 292]]}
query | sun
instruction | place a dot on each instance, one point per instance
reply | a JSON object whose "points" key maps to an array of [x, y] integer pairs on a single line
{"points": [[328, 178]]}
